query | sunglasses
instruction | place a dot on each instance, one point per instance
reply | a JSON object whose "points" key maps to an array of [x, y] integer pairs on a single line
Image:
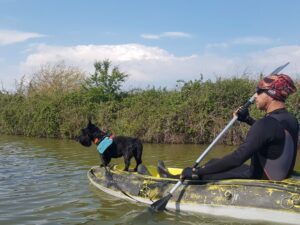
{"points": [[260, 91]]}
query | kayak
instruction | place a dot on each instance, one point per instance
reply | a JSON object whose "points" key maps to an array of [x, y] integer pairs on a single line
{"points": [[259, 200]]}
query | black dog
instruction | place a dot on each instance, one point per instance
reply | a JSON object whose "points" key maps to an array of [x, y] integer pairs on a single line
{"points": [[114, 147]]}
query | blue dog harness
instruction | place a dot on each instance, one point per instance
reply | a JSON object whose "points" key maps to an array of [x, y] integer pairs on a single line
{"points": [[104, 144]]}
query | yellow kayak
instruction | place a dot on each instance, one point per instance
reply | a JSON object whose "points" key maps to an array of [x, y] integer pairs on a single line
{"points": [[260, 200]]}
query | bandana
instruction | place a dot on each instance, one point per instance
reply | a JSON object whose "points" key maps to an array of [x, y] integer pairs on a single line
{"points": [[278, 87]]}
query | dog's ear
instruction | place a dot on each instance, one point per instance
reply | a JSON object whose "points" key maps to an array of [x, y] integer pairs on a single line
{"points": [[90, 122]]}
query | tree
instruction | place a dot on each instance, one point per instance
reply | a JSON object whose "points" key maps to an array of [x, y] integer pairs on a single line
{"points": [[53, 79], [105, 82]]}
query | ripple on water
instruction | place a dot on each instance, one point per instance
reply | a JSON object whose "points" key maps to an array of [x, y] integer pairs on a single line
{"points": [[37, 188], [44, 182]]}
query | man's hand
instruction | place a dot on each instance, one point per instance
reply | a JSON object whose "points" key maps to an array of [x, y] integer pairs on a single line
{"points": [[189, 173], [243, 114]]}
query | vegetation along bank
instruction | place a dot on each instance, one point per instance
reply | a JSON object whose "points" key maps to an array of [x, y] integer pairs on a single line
{"points": [[58, 100]]}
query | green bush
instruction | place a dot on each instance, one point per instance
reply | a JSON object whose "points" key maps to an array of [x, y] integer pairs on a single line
{"points": [[194, 113]]}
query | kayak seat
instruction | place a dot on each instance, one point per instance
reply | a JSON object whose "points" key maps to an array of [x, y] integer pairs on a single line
{"points": [[143, 170], [163, 171]]}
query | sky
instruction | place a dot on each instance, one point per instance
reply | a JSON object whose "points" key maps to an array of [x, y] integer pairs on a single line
{"points": [[156, 42]]}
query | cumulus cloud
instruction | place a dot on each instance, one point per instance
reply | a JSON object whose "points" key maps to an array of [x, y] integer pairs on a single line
{"points": [[13, 36], [148, 66], [166, 35], [272, 57], [144, 64]]}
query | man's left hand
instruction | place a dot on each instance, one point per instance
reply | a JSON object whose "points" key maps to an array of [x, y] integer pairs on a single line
{"points": [[189, 173]]}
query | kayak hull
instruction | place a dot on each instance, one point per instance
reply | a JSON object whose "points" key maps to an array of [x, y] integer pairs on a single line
{"points": [[261, 200]]}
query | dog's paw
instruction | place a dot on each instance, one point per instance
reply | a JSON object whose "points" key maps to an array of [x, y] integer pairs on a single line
{"points": [[102, 165]]}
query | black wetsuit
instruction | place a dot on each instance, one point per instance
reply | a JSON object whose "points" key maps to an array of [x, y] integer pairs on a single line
{"points": [[266, 138]]}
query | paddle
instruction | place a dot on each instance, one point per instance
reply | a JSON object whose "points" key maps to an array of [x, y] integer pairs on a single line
{"points": [[109, 176], [160, 204]]}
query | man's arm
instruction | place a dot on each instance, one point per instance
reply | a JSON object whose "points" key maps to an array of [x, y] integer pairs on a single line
{"points": [[255, 139]]}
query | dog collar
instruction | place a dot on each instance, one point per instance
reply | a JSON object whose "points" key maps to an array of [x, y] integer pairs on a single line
{"points": [[96, 141]]}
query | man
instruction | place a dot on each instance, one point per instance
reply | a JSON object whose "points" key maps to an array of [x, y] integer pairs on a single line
{"points": [[271, 142]]}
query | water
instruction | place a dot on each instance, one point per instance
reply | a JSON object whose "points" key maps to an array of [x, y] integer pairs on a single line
{"points": [[43, 181]]}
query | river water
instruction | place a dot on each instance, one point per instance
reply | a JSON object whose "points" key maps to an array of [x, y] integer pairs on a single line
{"points": [[43, 181]]}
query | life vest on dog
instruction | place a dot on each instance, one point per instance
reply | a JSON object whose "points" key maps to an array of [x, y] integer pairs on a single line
{"points": [[104, 144]]}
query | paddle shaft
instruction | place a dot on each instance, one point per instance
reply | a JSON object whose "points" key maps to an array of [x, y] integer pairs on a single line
{"points": [[206, 151], [247, 104], [161, 203]]}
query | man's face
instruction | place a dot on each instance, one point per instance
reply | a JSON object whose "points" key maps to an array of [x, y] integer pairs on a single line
{"points": [[262, 100]]}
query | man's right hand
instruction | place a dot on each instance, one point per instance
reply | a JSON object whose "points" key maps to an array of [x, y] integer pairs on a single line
{"points": [[242, 114]]}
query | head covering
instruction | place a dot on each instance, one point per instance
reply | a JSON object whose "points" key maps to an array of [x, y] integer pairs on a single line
{"points": [[278, 86]]}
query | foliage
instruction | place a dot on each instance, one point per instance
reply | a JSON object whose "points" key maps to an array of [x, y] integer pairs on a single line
{"points": [[52, 80], [195, 112], [105, 84]]}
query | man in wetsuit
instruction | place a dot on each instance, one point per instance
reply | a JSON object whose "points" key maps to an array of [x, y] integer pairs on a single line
{"points": [[271, 142]]}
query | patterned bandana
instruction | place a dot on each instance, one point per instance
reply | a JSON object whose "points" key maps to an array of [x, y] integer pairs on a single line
{"points": [[278, 87]]}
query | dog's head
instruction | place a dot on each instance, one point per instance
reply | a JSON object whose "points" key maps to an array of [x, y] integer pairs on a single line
{"points": [[90, 134]]}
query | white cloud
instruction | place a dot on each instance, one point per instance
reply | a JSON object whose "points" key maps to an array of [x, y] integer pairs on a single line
{"points": [[166, 35], [176, 34], [150, 36], [155, 66], [255, 40], [146, 65], [13, 36], [273, 57]]}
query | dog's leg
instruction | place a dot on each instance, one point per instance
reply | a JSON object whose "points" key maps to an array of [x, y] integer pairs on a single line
{"points": [[138, 161], [105, 160], [102, 161], [127, 162], [137, 153]]}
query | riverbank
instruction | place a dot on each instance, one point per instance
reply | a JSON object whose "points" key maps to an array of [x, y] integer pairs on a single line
{"points": [[195, 112]]}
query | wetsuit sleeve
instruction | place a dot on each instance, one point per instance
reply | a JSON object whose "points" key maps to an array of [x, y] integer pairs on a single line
{"points": [[255, 139], [250, 121]]}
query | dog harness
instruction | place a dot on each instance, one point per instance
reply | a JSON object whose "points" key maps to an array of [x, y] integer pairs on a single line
{"points": [[104, 144]]}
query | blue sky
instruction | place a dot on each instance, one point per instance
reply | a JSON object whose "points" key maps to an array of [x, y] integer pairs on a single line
{"points": [[156, 42]]}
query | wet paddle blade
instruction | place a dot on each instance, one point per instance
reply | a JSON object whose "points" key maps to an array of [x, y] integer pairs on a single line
{"points": [[160, 204]]}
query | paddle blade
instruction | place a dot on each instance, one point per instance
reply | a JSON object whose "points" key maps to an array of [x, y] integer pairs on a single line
{"points": [[160, 204]]}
